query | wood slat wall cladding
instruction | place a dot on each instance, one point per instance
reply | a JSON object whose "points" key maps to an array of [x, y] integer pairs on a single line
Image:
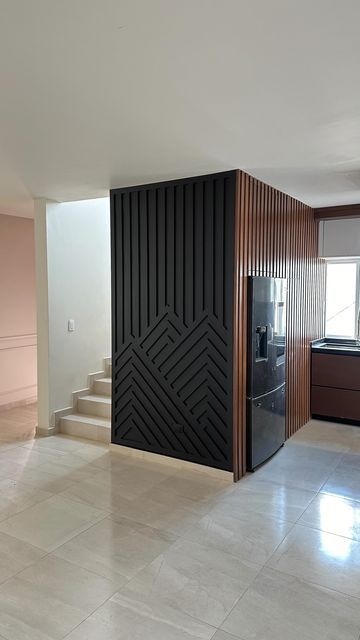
{"points": [[181, 254], [277, 236], [173, 266]]}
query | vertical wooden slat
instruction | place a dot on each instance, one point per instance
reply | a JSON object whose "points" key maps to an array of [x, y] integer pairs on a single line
{"points": [[277, 236]]}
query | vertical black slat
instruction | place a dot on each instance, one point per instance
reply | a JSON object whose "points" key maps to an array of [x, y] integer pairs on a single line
{"points": [[189, 253], [119, 261], [153, 265], [218, 248], [116, 295], [127, 310], [209, 246], [179, 251], [170, 239], [229, 230], [115, 298], [135, 281], [198, 246], [144, 272], [161, 249]]}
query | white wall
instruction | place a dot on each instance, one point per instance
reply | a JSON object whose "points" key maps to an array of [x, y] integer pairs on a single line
{"points": [[339, 238], [78, 287]]}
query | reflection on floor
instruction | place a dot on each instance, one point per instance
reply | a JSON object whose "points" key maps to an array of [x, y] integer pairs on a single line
{"points": [[97, 545]]}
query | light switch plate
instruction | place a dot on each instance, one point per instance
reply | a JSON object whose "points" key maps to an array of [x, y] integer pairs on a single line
{"points": [[71, 325]]}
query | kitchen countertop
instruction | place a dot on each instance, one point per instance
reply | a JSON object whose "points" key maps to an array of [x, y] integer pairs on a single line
{"points": [[336, 346]]}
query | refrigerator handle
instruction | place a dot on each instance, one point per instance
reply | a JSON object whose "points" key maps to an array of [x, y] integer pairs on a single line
{"points": [[262, 342]]}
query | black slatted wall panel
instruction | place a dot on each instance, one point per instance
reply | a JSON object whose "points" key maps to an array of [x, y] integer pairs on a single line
{"points": [[173, 266]]}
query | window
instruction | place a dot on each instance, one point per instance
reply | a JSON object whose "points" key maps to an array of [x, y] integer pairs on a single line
{"points": [[342, 298]]}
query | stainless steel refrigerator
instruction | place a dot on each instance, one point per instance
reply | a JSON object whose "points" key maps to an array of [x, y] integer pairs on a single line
{"points": [[266, 368]]}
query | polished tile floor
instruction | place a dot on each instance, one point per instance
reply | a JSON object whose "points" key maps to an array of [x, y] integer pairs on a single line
{"points": [[101, 546]]}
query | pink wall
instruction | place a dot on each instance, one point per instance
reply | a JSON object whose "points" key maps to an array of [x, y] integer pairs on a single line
{"points": [[17, 310]]}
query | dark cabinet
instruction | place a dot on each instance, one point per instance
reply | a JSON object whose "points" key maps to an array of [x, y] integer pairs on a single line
{"points": [[335, 386]]}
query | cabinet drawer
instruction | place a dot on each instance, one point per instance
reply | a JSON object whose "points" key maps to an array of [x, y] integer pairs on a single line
{"points": [[335, 403], [339, 371]]}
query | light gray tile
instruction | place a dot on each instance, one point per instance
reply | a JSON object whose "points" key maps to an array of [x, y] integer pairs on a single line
{"points": [[345, 479], [334, 514], [116, 550], [265, 498], [189, 581], [253, 538], [300, 466], [113, 621], [15, 556], [322, 558], [325, 435], [281, 606], [52, 522], [16, 496], [171, 517], [49, 599]]}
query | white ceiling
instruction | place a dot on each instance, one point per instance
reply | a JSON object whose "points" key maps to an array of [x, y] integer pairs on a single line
{"points": [[106, 93]]}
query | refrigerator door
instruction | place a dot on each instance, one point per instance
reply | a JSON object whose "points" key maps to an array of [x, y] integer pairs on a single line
{"points": [[266, 334], [265, 426]]}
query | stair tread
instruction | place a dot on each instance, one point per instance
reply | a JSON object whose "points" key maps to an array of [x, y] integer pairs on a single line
{"points": [[96, 398], [94, 420], [103, 380]]}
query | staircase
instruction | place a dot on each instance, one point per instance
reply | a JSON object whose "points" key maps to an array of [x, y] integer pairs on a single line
{"points": [[91, 417]]}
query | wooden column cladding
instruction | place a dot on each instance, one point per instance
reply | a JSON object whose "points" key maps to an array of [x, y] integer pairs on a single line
{"points": [[276, 236], [181, 254]]}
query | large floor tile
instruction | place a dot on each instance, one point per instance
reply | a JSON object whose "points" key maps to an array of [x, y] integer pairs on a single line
{"points": [[113, 621], [50, 599], [265, 498], [199, 505], [304, 467], [278, 606], [189, 580], [15, 555], [24, 457], [116, 550], [159, 515], [330, 436], [252, 538], [334, 514], [345, 479], [197, 486], [222, 635], [52, 522], [16, 496], [322, 558], [37, 478], [107, 488]]}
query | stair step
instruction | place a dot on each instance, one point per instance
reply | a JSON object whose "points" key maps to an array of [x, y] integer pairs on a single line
{"points": [[95, 405], [102, 387], [86, 426]]}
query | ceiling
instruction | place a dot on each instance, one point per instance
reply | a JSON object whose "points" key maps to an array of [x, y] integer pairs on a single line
{"points": [[107, 93]]}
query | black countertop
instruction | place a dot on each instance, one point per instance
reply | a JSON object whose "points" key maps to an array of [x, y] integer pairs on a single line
{"points": [[336, 346]]}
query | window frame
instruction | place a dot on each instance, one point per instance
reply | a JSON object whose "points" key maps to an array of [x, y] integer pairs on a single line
{"points": [[357, 293]]}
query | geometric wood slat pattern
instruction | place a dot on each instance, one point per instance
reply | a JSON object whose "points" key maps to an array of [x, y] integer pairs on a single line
{"points": [[181, 254], [276, 235], [172, 284]]}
